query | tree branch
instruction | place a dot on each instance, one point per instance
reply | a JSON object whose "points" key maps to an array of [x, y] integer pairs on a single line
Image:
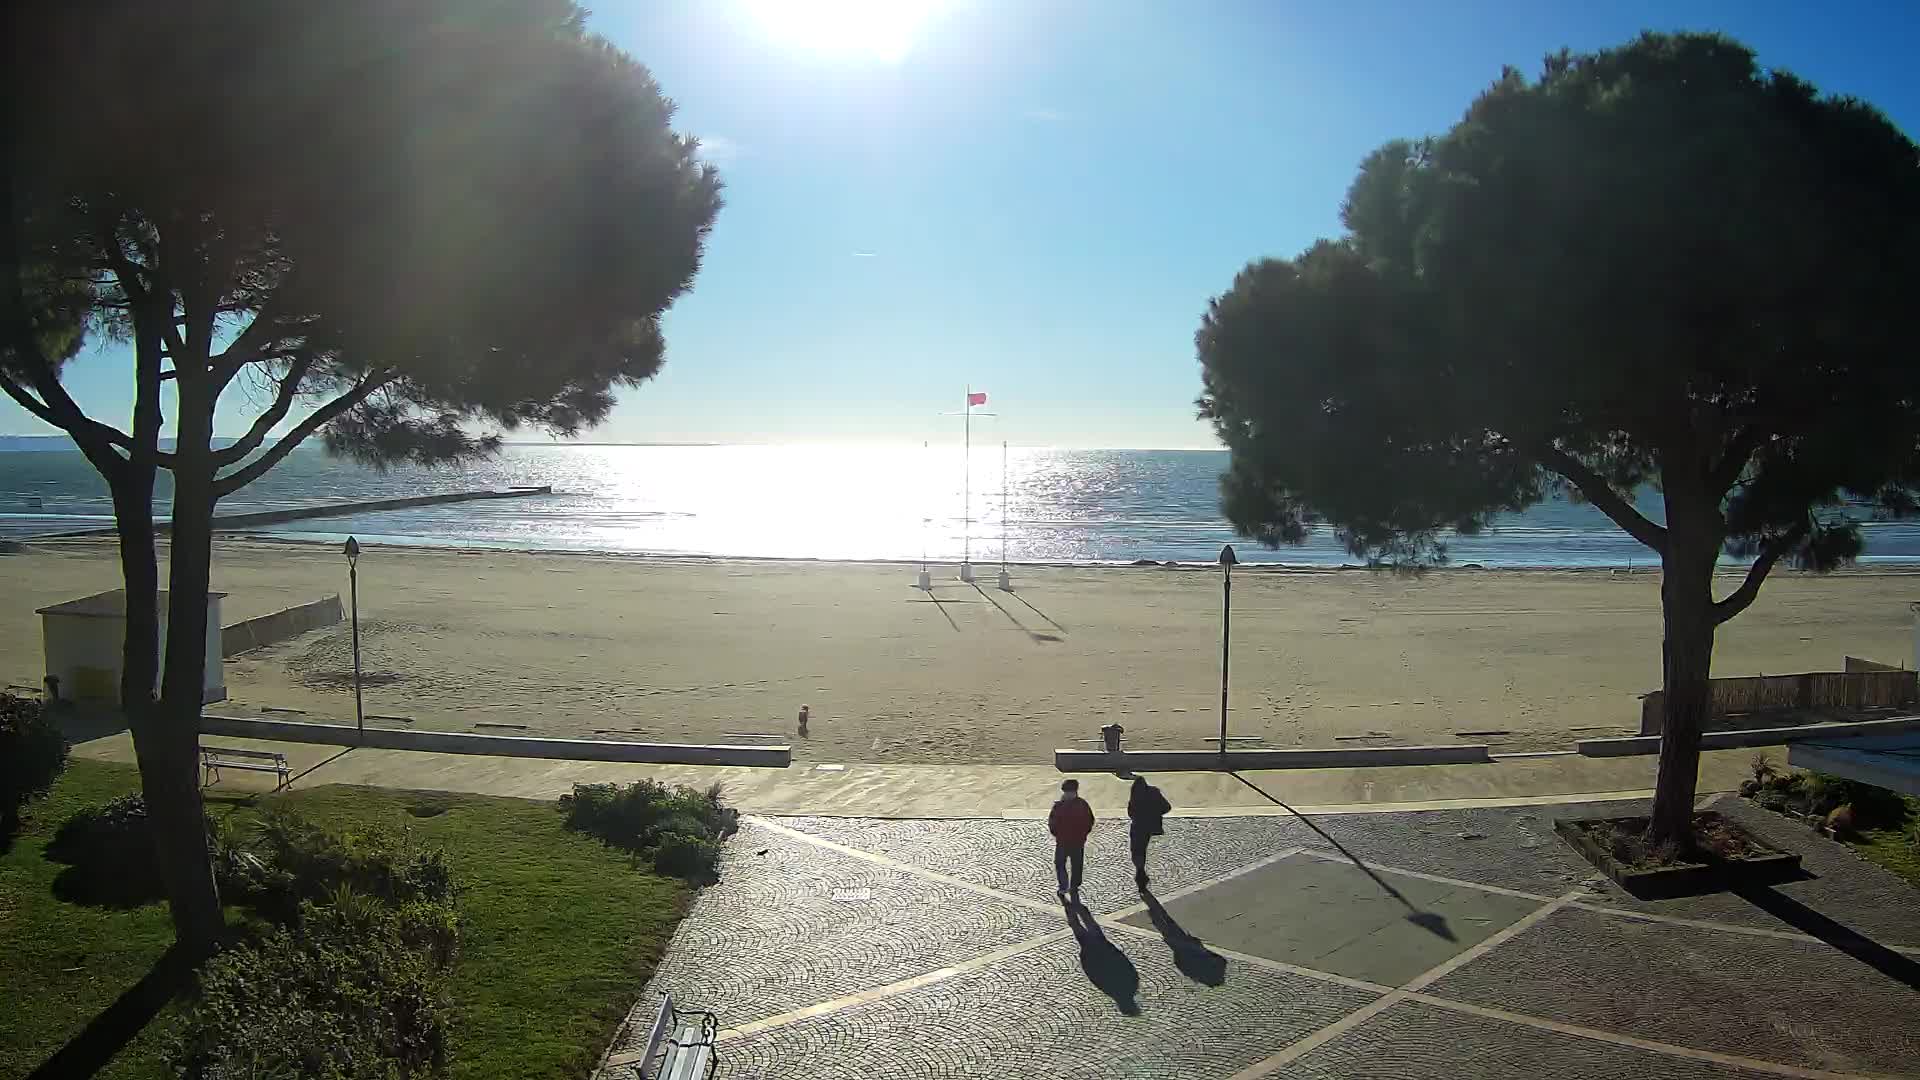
{"points": [[325, 414], [1601, 494], [249, 346], [1739, 451], [282, 401], [1741, 598]]}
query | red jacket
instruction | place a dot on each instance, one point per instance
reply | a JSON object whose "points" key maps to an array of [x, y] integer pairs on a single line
{"points": [[1070, 821]]}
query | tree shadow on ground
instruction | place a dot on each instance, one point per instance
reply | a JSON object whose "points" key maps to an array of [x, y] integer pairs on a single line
{"points": [[1431, 921], [1893, 965], [1107, 968], [107, 1033], [1190, 954]]}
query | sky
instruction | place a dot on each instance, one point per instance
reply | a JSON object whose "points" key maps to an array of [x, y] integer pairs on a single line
{"points": [[1037, 198]]}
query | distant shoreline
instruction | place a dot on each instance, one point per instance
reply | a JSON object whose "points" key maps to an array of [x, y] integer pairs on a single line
{"points": [[984, 570]]}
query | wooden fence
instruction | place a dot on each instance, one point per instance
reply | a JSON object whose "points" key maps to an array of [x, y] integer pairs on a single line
{"points": [[1850, 690]]}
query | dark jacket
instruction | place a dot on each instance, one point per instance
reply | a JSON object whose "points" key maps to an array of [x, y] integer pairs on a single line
{"points": [[1146, 806], [1070, 821]]}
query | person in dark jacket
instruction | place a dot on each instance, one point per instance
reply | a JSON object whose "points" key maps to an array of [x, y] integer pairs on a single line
{"points": [[1147, 809], [1070, 821]]}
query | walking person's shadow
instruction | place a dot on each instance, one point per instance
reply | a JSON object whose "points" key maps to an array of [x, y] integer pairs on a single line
{"points": [[1106, 966], [1190, 954]]}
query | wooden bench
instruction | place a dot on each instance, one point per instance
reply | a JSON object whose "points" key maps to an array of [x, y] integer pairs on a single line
{"points": [[679, 1045], [215, 758]]}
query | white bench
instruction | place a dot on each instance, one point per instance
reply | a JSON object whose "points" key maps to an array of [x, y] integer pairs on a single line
{"points": [[215, 758], [679, 1045]]}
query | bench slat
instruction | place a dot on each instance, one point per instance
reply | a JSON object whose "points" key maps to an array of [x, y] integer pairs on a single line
{"points": [[234, 751], [687, 1062]]}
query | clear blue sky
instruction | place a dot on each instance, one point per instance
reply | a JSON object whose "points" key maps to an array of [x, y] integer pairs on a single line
{"points": [[1038, 198]]}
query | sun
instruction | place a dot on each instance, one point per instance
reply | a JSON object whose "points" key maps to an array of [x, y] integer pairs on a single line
{"points": [[884, 30]]}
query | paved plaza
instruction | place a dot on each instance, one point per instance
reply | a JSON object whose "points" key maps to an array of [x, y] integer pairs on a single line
{"points": [[1468, 943]]}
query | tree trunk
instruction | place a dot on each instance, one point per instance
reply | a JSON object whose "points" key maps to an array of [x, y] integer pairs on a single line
{"points": [[178, 816], [1686, 604]]}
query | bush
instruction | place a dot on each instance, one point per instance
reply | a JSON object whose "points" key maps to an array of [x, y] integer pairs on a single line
{"points": [[694, 858], [1872, 806], [1840, 820], [304, 861], [33, 753], [676, 829], [112, 859], [353, 984], [342, 994]]}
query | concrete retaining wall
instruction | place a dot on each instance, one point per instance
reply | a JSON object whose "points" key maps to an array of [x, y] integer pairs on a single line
{"points": [[1729, 740], [1210, 760], [454, 742], [280, 625]]}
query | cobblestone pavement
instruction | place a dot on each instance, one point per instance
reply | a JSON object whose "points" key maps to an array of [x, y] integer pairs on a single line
{"points": [[837, 947]]}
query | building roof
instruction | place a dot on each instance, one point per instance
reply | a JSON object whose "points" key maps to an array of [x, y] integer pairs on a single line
{"points": [[106, 605], [1888, 761]]}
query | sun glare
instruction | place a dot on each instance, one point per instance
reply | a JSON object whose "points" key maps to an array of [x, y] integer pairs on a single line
{"points": [[882, 29]]}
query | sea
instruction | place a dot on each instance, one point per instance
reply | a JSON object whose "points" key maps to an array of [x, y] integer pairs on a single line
{"points": [[1026, 505]]}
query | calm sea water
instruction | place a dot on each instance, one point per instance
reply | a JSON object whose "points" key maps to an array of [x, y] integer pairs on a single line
{"points": [[823, 503]]}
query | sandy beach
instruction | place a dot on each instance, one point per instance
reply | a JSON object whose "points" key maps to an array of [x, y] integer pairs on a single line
{"points": [[653, 649]]}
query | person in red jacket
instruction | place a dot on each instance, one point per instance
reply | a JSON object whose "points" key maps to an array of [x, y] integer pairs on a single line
{"points": [[1070, 821]]}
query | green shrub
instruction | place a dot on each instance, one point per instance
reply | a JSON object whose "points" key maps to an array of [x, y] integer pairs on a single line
{"points": [[342, 994], [352, 985], [112, 859], [304, 861], [109, 853], [33, 753], [694, 858], [1842, 820], [1872, 806], [676, 829]]}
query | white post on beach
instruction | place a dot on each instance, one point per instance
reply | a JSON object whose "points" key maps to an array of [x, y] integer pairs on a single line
{"points": [[1227, 560], [924, 582], [353, 590]]}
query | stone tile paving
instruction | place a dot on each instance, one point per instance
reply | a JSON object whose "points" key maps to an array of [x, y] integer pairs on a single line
{"points": [[1416, 1041], [1842, 885], [770, 937], [928, 978], [1017, 856], [1798, 1002], [1032, 1016]]}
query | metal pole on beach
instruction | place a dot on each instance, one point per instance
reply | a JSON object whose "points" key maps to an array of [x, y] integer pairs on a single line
{"points": [[1227, 560], [353, 590], [1006, 580], [966, 488]]}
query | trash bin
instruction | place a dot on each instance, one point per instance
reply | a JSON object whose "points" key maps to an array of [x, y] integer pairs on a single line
{"points": [[1110, 735]]}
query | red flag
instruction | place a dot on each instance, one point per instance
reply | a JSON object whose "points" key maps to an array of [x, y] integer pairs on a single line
{"points": [[977, 399]]}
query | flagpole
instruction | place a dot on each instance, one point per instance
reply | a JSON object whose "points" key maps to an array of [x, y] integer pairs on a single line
{"points": [[1006, 582], [966, 488]]}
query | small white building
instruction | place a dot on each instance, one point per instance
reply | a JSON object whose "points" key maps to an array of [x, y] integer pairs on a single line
{"points": [[84, 640]]}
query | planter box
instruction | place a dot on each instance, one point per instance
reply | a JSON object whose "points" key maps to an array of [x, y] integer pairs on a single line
{"points": [[1710, 874]]}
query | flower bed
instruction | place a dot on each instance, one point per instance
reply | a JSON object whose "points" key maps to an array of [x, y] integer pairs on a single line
{"points": [[1721, 854]]}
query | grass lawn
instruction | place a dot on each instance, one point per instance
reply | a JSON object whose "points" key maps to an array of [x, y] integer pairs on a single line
{"points": [[1892, 848], [558, 932]]}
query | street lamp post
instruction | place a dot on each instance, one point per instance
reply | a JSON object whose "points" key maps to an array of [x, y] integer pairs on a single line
{"points": [[353, 590], [1227, 559]]}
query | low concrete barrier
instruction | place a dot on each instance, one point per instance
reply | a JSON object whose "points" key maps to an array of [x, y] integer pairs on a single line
{"points": [[279, 625], [1213, 760], [456, 742], [1731, 740]]}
